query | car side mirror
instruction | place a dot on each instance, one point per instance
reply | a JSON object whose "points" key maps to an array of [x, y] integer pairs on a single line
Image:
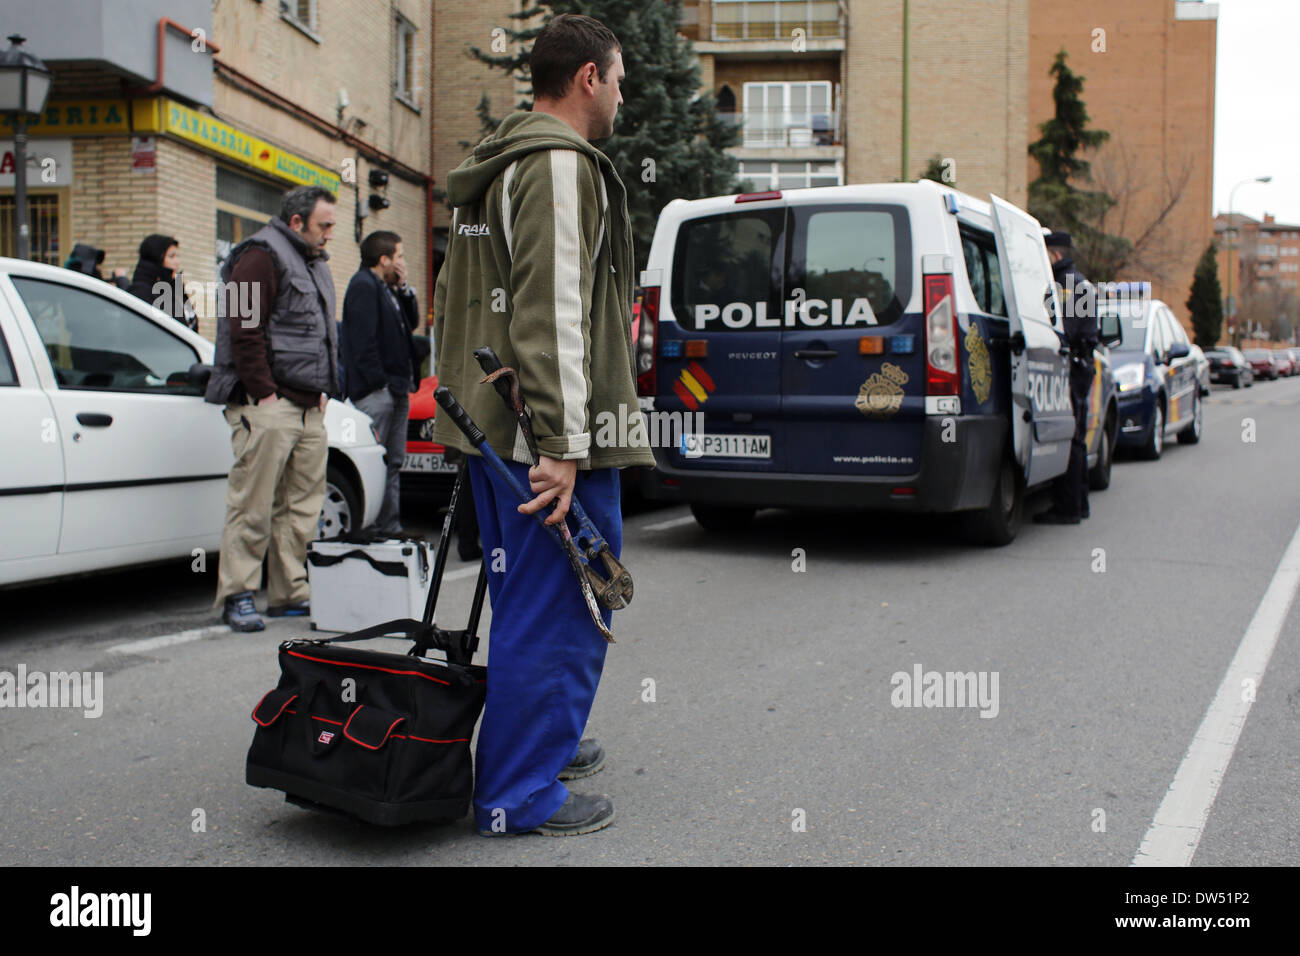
{"points": [[1111, 332], [1178, 350], [199, 374]]}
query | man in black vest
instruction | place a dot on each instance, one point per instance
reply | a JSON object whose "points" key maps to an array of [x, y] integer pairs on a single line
{"points": [[276, 366], [1070, 490], [380, 364]]}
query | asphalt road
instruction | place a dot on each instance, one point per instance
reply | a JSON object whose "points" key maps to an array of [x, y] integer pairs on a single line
{"points": [[773, 701]]}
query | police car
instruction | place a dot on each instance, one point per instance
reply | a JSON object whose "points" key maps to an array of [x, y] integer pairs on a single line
{"points": [[889, 346], [1159, 384]]}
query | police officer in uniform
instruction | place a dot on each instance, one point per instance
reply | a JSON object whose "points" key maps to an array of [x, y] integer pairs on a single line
{"points": [[1070, 490]]}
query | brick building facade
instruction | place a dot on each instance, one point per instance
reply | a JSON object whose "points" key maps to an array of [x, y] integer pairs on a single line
{"points": [[287, 94], [1148, 68]]}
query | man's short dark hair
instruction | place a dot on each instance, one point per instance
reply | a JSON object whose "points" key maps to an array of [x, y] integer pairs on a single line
{"points": [[377, 245], [567, 42], [301, 201]]}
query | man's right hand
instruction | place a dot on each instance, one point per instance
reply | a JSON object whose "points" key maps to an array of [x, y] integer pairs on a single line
{"points": [[551, 480]]}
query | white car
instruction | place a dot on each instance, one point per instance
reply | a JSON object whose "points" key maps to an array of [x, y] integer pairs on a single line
{"points": [[110, 456]]}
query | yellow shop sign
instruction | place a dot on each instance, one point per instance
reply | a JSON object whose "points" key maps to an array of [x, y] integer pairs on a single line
{"points": [[224, 140], [77, 118]]}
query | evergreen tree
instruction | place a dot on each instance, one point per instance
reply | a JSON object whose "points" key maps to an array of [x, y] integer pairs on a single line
{"points": [[668, 140], [1054, 199], [1206, 301], [939, 170]]}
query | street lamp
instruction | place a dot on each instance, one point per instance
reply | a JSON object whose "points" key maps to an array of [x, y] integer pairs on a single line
{"points": [[24, 84], [1236, 329]]}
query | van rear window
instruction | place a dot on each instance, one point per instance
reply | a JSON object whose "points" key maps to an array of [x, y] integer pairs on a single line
{"points": [[724, 274], [849, 267]]}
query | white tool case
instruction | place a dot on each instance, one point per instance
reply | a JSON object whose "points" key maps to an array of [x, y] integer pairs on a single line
{"points": [[355, 584]]}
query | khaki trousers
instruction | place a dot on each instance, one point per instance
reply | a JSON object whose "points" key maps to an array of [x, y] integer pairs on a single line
{"points": [[273, 498]]}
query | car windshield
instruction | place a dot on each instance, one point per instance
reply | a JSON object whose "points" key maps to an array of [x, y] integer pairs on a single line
{"points": [[1133, 318], [1256, 354]]}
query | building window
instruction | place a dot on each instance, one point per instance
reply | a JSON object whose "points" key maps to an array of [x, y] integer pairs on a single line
{"points": [[775, 19], [788, 114], [785, 174], [406, 82], [244, 205], [303, 15], [42, 225]]}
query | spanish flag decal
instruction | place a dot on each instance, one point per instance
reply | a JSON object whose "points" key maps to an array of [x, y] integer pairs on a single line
{"points": [[693, 386]]}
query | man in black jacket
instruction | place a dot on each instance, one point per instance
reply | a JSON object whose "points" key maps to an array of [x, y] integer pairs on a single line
{"points": [[381, 366], [1070, 490]]}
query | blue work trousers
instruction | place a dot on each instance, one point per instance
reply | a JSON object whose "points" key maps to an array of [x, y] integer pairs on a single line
{"points": [[545, 654]]}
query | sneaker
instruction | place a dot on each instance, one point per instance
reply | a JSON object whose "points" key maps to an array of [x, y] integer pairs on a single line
{"points": [[590, 759], [294, 609], [1052, 516], [241, 614], [581, 813]]}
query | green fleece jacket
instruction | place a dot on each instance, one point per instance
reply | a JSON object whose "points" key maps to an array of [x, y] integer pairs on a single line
{"points": [[539, 266]]}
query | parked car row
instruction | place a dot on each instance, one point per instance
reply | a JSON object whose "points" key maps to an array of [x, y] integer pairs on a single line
{"points": [[1228, 366], [1273, 364]]}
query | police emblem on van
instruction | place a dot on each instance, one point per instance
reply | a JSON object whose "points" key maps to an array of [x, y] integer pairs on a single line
{"points": [[881, 395], [978, 364]]}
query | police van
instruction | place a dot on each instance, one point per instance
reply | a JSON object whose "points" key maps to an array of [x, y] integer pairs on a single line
{"points": [[889, 347]]}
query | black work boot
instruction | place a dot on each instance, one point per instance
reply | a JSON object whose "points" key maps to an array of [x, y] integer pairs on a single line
{"points": [[590, 759], [581, 813]]}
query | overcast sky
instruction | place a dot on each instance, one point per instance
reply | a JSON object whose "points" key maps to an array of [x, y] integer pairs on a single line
{"points": [[1257, 107]]}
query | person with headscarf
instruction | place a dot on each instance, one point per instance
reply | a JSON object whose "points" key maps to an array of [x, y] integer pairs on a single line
{"points": [[86, 259], [160, 262]]}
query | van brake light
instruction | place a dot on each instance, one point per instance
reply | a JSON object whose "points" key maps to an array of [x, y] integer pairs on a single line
{"points": [[646, 364], [942, 375], [759, 197]]}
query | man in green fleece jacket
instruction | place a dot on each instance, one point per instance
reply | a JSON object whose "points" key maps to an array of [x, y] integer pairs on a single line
{"points": [[539, 266]]}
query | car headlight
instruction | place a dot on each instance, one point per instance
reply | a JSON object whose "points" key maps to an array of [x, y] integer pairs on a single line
{"points": [[1128, 377]]}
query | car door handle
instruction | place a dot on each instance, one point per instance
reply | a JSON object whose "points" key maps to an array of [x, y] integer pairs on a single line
{"points": [[94, 419], [815, 353]]}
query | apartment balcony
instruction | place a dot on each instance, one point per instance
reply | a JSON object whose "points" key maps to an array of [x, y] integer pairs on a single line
{"points": [[786, 129], [98, 49], [778, 28]]}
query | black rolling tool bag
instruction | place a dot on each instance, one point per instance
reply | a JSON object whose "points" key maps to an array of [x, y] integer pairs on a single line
{"points": [[379, 735]]}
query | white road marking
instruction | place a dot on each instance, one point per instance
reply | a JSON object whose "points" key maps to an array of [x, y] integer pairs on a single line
{"points": [[198, 633], [665, 525], [167, 640], [1180, 822]]}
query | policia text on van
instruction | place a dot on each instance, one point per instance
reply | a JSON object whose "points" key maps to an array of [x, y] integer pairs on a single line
{"points": [[886, 346]]}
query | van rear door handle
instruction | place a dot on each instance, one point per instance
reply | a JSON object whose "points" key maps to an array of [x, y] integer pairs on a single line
{"points": [[94, 419], [815, 353]]}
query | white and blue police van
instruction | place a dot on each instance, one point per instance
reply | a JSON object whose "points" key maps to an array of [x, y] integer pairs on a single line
{"points": [[890, 347]]}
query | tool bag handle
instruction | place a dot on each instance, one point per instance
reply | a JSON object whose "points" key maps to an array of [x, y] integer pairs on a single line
{"points": [[459, 645]]}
